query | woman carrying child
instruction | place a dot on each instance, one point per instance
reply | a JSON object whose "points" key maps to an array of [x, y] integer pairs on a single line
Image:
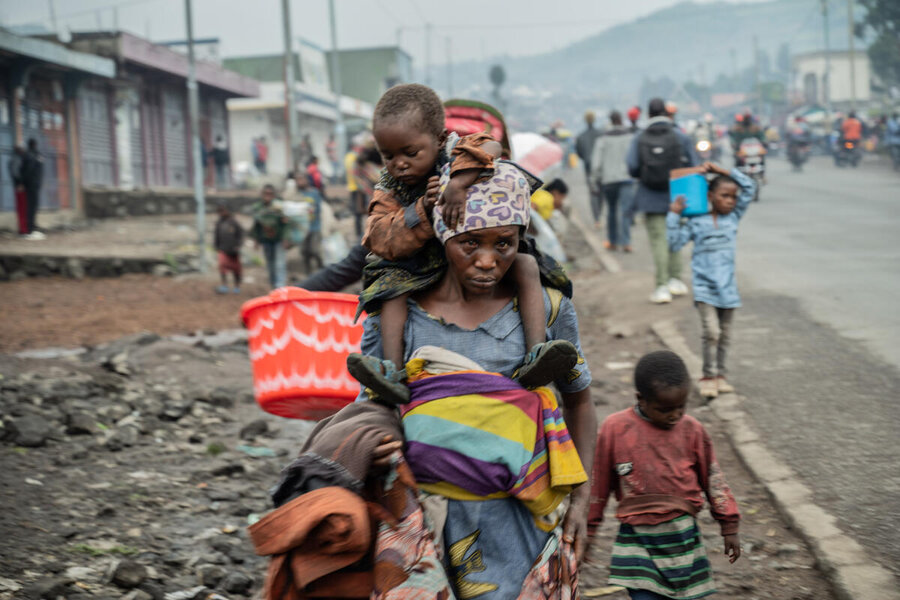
{"points": [[409, 131], [659, 463], [712, 265]]}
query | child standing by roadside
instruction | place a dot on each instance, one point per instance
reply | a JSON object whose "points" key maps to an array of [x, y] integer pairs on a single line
{"points": [[269, 231], [229, 237], [409, 130], [660, 464], [712, 265]]}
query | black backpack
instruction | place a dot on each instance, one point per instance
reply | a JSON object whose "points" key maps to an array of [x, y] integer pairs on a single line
{"points": [[660, 151]]}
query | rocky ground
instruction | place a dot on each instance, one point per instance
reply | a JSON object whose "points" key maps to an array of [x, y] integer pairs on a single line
{"points": [[132, 468]]}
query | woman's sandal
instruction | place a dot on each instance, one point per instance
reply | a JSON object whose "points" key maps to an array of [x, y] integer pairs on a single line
{"points": [[546, 362], [380, 376]]}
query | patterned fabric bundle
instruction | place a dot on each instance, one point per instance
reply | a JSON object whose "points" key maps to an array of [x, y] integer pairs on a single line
{"points": [[668, 559], [473, 435]]}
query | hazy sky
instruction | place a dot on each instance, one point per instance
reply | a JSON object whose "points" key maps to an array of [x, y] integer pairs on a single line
{"points": [[476, 28]]}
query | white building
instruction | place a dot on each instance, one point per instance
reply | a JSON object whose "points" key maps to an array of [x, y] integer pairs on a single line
{"points": [[250, 118], [810, 80]]}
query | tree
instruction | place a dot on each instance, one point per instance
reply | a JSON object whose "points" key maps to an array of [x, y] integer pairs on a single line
{"points": [[882, 17]]}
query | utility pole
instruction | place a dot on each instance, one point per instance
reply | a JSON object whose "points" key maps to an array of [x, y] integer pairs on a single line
{"points": [[194, 108], [449, 67], [757, 97], [340, 134], [428, 54], [290, 106], [852, 54], [53, 22], [826, 80]]}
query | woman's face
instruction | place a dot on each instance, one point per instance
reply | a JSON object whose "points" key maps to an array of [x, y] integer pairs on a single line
{"points": [[481, 258]]}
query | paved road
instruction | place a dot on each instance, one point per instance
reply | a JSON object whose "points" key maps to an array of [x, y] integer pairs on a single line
{"points": [[816, 352]]}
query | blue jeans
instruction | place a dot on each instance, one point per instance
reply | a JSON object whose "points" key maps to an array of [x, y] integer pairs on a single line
{"points": [[276, 262], [626, 211], [613, 192]]}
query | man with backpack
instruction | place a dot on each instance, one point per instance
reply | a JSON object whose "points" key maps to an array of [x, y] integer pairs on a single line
{"points": [[655, 151]]}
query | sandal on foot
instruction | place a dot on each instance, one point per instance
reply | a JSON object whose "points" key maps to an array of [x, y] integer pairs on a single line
{"points": [[380, 376], [547, 362]]}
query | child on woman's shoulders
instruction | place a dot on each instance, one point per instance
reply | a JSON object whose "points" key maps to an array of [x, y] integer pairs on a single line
{"points": [[409, 130]]}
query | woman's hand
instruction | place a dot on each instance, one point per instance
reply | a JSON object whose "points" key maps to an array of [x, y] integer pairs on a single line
{"points": [[381, 457], [732, 547], [575, 529]]}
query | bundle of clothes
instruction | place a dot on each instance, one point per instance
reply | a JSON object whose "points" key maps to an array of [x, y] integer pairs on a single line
{"points": [[343, 530]]}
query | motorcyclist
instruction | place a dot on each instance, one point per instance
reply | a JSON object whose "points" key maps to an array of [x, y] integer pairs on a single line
{"points": [[851, 131], [892, 138], [799, 138]]}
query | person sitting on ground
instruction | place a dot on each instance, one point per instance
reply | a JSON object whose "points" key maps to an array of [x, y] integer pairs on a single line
{"points": [[712, 265], [409, 131], [660, 464], [469, 314], [549, 198], [229, 238]]}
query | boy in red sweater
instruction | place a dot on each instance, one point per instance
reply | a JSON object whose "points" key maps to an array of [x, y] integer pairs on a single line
{"points": [[660, 464]]}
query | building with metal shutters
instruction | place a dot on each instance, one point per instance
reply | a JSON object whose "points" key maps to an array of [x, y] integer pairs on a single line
{"points": [[147, 129], [38, 100]]}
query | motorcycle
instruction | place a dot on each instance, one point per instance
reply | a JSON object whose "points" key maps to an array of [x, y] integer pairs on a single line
{"points": [[704, 149], [847, 153], [750, 160], [798, 154]]}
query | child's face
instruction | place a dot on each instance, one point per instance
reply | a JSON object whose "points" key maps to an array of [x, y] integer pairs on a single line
{"points": [[409, 153], [667, 406], [558, 199], [724, 197]]}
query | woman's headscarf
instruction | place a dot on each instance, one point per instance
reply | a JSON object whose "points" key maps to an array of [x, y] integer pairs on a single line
{"points": [[504, 199]]}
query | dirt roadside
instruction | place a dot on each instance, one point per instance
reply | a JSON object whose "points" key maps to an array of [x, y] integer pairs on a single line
{"points": [[181, 492]]}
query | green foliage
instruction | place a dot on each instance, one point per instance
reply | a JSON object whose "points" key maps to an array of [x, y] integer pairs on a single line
{"points": [[215, 448], [882, 17]]}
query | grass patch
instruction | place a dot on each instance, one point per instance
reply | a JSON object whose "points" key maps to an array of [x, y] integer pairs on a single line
{"points": [[215, 448], [92, 551]]}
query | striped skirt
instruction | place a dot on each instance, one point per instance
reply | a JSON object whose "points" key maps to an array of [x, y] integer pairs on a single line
{"points": [[668, 559]]}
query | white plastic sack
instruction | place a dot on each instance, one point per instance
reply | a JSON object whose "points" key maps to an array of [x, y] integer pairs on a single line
{"points": [[546, 239], [334, 248]]}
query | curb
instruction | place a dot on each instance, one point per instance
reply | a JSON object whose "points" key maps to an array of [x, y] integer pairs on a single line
{"points": [[606, 259], [852, 574]]}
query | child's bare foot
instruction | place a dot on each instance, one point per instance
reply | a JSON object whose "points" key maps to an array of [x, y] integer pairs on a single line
{"points": [[547, 362], [380, 376]]}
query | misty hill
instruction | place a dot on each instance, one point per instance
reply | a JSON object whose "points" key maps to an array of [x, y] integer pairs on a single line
{"points": [[688, 41]]}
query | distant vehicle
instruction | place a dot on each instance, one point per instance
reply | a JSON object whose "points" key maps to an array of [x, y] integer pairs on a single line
{"points": [[847, 153], [798, 154], [750, 160]]}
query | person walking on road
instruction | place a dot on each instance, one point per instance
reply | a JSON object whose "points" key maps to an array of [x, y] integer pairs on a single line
{"points": [[584, 147], [662, 468], [15, 165], [609, 174], [32, 176], [269, 230], [653, 153], [221, 160], [715, 288]]}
